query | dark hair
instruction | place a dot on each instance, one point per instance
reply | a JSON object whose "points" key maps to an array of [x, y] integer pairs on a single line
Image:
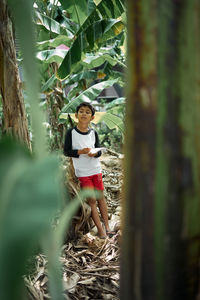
{"points": [[88, 105]]}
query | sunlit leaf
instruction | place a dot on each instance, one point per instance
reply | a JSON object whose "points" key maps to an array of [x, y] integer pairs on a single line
{"points": [[93, 61], [88, 95], [61, 39], [113, 121], [49, 56], [118, 101]]}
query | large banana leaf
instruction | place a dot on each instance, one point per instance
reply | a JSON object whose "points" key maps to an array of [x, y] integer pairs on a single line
{"points": [[88, 75], [80, 84], [88, 95], [113, 121], [118, 110], [113, 75], [52, 25], [105, 56], [78, 9], [117, 75], [77, 88], [106, 9], [93, 61], [86, 12], [95, 35], [53, 43], [90, 61], [48, 84], [114, 103], [49, 56]]}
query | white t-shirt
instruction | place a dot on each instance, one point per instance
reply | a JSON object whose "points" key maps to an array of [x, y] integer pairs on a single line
{"points": [[83, 164]]}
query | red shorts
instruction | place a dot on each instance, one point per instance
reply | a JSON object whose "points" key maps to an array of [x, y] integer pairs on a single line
{"points": [[93, 181]]}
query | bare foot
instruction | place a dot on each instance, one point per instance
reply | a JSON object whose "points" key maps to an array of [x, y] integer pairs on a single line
{"points": [[101, 234]]}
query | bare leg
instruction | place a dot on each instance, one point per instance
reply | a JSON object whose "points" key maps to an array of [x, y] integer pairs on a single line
{"points": [[95, 217], [104, 212]]}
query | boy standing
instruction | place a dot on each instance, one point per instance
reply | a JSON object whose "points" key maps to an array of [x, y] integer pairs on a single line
{"points": [[78, 143]]}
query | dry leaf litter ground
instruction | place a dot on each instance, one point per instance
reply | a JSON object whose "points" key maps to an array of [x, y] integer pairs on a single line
{"points": [[90, 265]]}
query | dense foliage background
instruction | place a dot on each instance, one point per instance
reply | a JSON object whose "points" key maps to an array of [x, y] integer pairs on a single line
{"points": [[80, 50]]}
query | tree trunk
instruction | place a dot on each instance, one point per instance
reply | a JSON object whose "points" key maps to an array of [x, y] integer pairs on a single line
{"points": [[55, 103], [15, 120], [161, 224]]}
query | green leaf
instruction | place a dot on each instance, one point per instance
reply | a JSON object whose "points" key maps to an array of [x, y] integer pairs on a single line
{"points": [[108, 70], [48, 84], [53, 244], [106, 9], [52, 26], [44, 34], [91, 6], [61, 39], [49, 56], [77, 9], [75, 90], [104, 55], [93, 61], [88, 75], [94, 35], [30, 197], [88, 95], [118, 101], [113, 121]]}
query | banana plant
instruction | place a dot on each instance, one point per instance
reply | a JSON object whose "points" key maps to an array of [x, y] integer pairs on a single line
{"points": [[53, 26], [70, 58], [78, 10], [49, 56], [87, 38], [85, 70], [96, 30], [105, 9], [79, 47]]}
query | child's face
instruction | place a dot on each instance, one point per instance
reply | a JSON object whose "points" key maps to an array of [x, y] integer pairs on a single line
{"points": [[84, 114]]}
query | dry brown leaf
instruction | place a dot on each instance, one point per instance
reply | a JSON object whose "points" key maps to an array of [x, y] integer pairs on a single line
{"points": [[70, 282], [90, 265], [88, 280]]}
